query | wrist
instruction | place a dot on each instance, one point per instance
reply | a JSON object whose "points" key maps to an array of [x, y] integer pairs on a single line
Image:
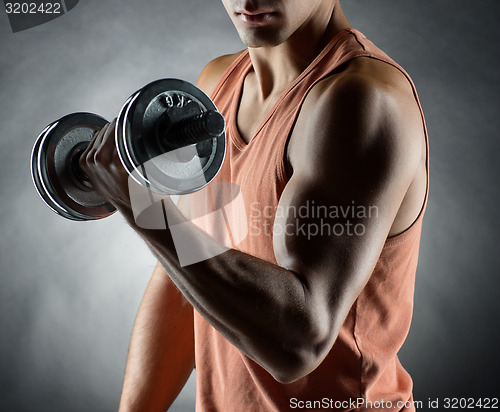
{"points": [[126, 211]]}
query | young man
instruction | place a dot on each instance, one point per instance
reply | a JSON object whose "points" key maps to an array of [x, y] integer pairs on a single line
{"points": [[318, 120]]}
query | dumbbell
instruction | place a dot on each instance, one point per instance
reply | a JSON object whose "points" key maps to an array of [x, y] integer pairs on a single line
{"points": [[169, 137]]}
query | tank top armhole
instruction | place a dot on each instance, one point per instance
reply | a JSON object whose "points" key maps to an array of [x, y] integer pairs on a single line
{"points": [[282, 174], [411, 230], [282, 153]]}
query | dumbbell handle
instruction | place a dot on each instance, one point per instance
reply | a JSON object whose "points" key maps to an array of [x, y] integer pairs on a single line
{"points": [[204, 126]]}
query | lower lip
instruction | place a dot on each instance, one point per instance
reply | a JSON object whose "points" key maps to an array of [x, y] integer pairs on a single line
{"points": [[255, 18]]}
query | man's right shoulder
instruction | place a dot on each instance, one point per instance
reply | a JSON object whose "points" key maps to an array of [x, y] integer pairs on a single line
{"points": [[213, 71]]}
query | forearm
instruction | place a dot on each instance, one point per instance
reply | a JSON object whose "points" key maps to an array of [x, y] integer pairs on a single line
{"points": [[161, 355], [260, 307]]}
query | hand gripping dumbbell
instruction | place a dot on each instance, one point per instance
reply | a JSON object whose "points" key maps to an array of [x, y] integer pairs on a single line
{"points": [[169, 137]]}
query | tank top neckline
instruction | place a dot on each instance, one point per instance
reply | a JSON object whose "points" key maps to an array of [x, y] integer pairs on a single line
{"points": [[244, 59]]}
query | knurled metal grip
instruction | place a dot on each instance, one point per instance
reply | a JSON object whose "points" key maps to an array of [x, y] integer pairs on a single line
{"points": [[196, 129], [169, 136]]}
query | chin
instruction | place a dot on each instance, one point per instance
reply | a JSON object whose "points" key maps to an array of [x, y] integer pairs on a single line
{"points": [[261, 38]]}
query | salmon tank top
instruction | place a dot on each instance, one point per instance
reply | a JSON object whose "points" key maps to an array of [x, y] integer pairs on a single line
{"points": [[362, 371]]}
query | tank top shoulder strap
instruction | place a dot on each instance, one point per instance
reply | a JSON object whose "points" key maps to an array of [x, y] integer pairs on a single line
{"points": [[239, 67], [345, 46], [360, 46], [370, 50]]}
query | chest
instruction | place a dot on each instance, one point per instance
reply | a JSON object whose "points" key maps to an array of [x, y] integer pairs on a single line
{"points": [[253, 110]]}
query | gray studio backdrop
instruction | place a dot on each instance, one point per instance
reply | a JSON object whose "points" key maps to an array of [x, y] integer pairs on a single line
{"points": [[70, 291]]}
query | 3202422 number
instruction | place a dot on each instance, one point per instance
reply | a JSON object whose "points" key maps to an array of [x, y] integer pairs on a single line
{"points": [[33, 8], [471, 403]]}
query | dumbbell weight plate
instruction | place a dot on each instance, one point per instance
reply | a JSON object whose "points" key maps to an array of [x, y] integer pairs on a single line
{"points": [[125, 156], [143, 155], [52, 172]]}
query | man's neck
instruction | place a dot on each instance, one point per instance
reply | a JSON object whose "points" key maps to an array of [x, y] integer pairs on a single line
{"points": [[277, 67]]}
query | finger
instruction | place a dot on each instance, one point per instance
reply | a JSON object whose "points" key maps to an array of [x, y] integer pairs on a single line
{"points": [[108, 138], [94, 143], [98, 139], [106, 149]]}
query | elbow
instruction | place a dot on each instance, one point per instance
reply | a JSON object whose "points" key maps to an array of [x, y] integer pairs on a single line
{"points": [[297, 366], [302, 358], [306, 338], [293, 372]]}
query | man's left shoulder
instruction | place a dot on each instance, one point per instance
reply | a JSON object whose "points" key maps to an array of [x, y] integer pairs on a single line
{"points": [[367, 81], [367, 104], [366, 92]]}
